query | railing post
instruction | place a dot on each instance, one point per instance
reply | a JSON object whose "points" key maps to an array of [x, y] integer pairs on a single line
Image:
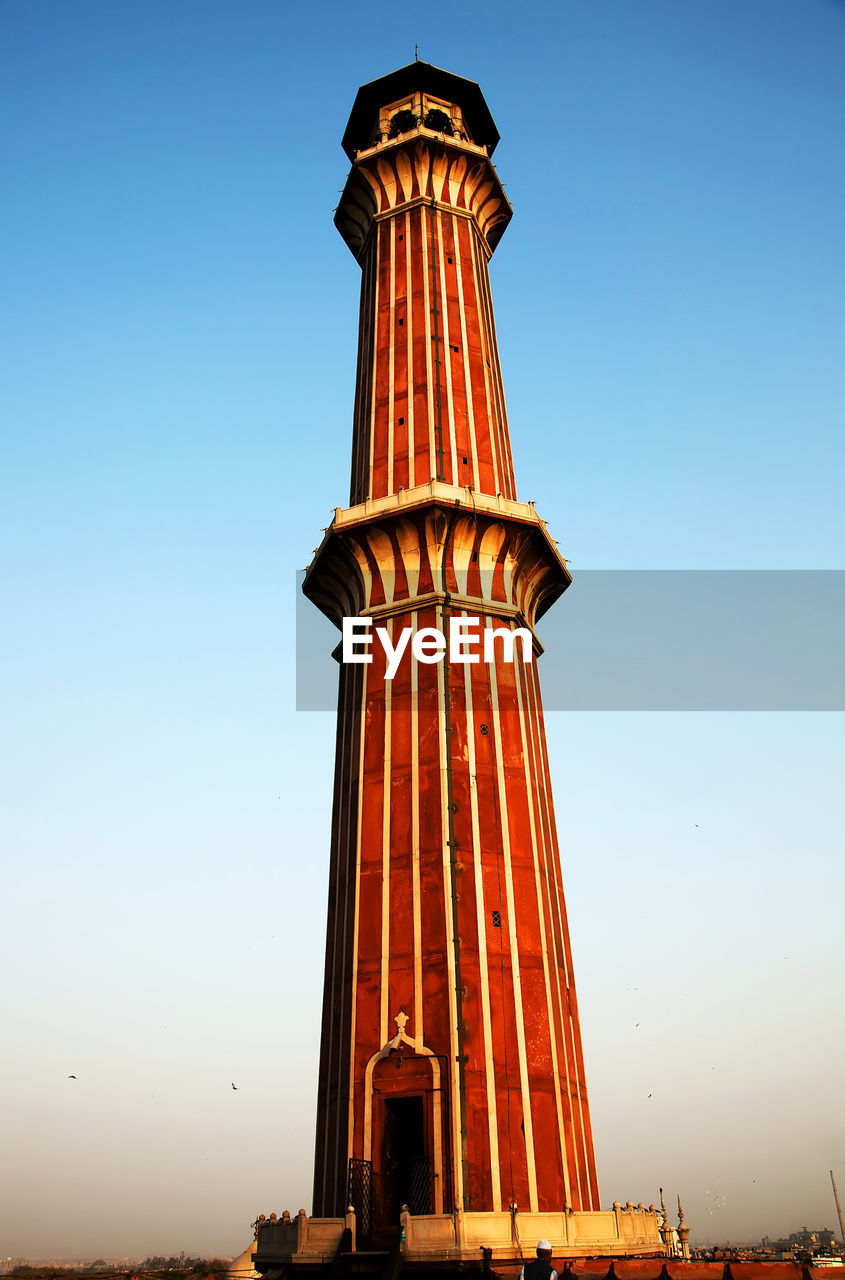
{"points": [[349, 1223]]}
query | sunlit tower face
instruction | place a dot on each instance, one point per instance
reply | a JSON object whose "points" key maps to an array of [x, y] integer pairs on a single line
{"points": [[451, 1072], [422, 211]]}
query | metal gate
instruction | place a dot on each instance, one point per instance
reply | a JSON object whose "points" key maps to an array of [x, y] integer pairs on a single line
{"points": [[360, 1193], [419, 1190]]}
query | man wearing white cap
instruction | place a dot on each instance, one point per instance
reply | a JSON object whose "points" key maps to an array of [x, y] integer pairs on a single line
{"points": [[540, 1268]]}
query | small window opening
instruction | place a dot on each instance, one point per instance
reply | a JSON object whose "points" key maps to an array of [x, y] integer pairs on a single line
{"points": [[484, 731], [448, 259], [401, 321], [402, 122], [497, 919], [454, 348], [401, 422], [440, 121], [401, 237]]}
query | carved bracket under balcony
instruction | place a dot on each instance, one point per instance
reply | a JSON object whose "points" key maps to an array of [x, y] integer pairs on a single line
{"points": [[422, 170], [427, 546]]}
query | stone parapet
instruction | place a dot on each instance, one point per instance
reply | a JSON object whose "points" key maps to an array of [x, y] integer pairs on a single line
{"points": [[301, 1239], [614, 1233], [624, 1231]]}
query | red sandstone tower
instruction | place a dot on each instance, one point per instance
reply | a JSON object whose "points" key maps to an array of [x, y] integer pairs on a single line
{"points": [[451, 1072]]}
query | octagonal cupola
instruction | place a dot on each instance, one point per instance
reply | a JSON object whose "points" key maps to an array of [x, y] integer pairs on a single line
{"points": [[419, 98], [420, 136]]}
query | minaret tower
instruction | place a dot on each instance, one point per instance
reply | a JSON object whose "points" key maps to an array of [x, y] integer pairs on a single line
{"points": [[451, 1072]]}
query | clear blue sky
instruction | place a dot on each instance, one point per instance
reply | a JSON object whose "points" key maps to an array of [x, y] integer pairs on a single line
{"points": [[178, 355]]}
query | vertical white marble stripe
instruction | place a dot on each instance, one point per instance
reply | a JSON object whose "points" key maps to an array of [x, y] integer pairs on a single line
{"points": [[541, 911], [391, 349], [374, 354], [354, 985], [542, 768], [362, 394], [334, 981], [486, 358], [356, 411], [551, 854], [514, 946], [454, 1074], [587, 1191], [409, 354], [570, 1057], [483, 973], [499, 388], [366, 461], [385, 855], [429, 372], [459, 267], [445, 348], [419, 1030], [363, 389]]}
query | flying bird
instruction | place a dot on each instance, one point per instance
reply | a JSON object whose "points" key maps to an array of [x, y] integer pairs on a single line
{"points": [[71, 1077], [234, 1086]]}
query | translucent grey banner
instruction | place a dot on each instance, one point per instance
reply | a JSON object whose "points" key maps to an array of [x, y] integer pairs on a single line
{"points": [[661, 640]]}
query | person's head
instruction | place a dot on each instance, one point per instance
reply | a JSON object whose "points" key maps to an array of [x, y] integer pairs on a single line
{"points": [[544, 1250]]}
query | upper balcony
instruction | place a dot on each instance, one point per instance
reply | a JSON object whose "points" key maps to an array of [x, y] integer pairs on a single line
{"points": [[421, 135], [419, 97], [421, 114]]}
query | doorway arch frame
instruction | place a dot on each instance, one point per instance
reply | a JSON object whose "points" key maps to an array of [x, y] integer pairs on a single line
{"points": [[423, 1051]]}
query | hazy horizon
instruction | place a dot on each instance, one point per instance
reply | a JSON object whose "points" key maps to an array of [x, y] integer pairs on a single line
{"points": [[179, 358]]}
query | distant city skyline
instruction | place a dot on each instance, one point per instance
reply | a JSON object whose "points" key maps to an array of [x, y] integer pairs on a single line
{"points": [[115, 1263], [179, 355]]}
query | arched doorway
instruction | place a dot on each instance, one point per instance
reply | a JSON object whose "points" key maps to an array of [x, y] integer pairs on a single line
{"points": [[403, 1134], [404, 1118]]}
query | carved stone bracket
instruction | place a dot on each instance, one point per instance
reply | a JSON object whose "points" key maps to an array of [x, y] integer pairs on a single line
{"points": [[422, 170], [496, 559]]}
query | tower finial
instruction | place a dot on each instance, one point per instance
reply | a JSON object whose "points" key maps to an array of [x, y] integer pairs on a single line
{"points": [[682, 1233], [416, 53]]}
